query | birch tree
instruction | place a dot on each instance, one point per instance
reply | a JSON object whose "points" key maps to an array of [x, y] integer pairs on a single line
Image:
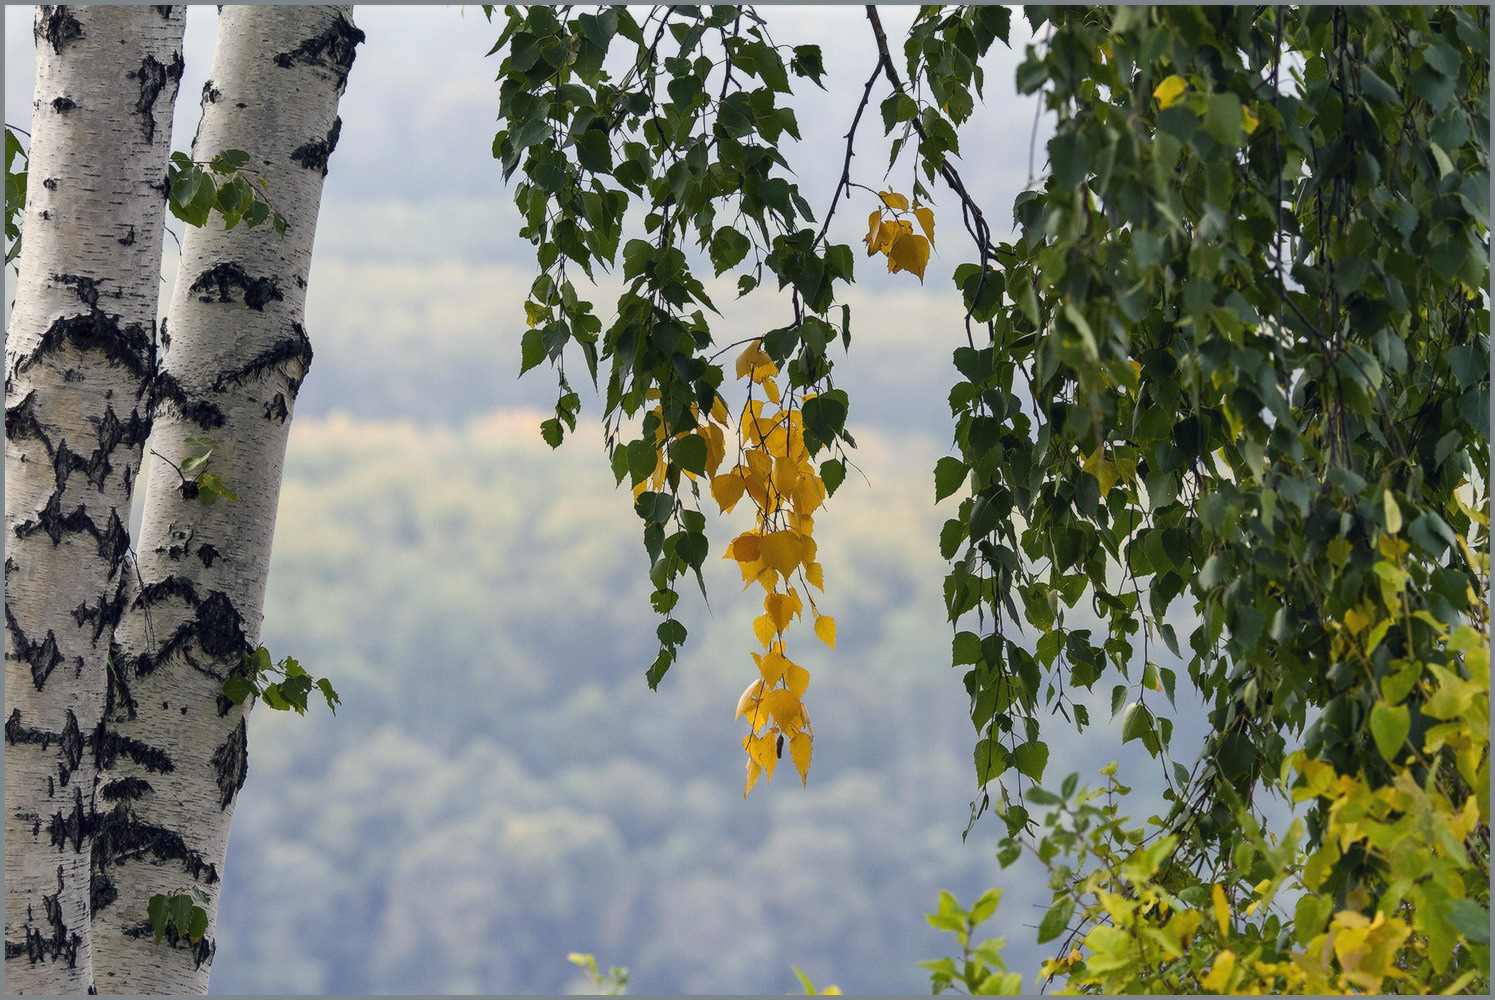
{"points": [[235, 352], [80, 350]]}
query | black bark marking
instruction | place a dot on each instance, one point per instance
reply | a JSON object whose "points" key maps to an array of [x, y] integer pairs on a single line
{"points": [[107, 747], [220, 630], [56, 25], [61, 944], [276, 409], [129, 239], [101, 892], [210, 93], [164, 10], [333, 49], [314, 155], [122, 836], [166, 387], [62, 105], [172, 586], [231, 762], [50, 183], [115, 542], [43, 656], [128, 346], [153, 77], [104, 617], [257, 291], [291, 354], [127, 789], [202, 951], [74, 825], [207, 553], [117, 693], [21, 422], [71, 744]]}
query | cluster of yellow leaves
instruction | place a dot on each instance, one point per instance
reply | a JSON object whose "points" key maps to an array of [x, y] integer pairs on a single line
{"points": [[776, 473], [894, 236]]}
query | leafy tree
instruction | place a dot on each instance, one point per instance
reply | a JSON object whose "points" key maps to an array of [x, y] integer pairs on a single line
{"points": [[1235, 366]]}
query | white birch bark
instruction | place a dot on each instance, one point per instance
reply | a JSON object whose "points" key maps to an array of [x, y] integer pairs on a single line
{"points": [[235, 354], [80, 351]]}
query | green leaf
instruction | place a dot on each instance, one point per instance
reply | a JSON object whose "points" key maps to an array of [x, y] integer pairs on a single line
{"points": [[197, 923], [991, 760], [1389, 725], [689, 452], [331, 696], [949, 476], [1031, 758], [156, 909], [1470, 919], [1056, 920], [833, 474], [1136, 723], [237, 688], [728, 247]]}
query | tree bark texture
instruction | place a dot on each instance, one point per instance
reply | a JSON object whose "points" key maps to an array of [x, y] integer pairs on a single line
{"points": [[80, 352], [235, 353]]}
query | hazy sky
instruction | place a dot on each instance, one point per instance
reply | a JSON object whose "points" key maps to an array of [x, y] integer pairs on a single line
{"points": [[500, 787]]}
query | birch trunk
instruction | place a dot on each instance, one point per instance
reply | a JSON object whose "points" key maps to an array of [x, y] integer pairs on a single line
{"points": [[80, 352], [235, 354]]}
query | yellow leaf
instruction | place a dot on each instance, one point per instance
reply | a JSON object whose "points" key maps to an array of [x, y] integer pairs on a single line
{"points": [[782, 551], [764, 629], [727, 490], [926, 220], [785, 709], [1169, 90], [764, 751], [760, 466], [1222, 909], [753, 770], [716, 447], [754, 356], [825, 628], [894, 200], [816, 575], [874, 232], [780, 610], [771, 665], [1103, 471], [909, 252], [749, 699], [1218, 977], [797, 678], [799, 750], [785, 475], [771, 390], [533, 313], [807, 494], [745, 547], [888, 232], [1248, 120]]}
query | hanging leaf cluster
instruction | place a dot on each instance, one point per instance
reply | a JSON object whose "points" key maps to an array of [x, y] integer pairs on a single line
{"points": [[775, 472]]}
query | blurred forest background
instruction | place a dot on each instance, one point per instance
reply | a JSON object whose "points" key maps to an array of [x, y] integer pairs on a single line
{"points": [[500, 787]]}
